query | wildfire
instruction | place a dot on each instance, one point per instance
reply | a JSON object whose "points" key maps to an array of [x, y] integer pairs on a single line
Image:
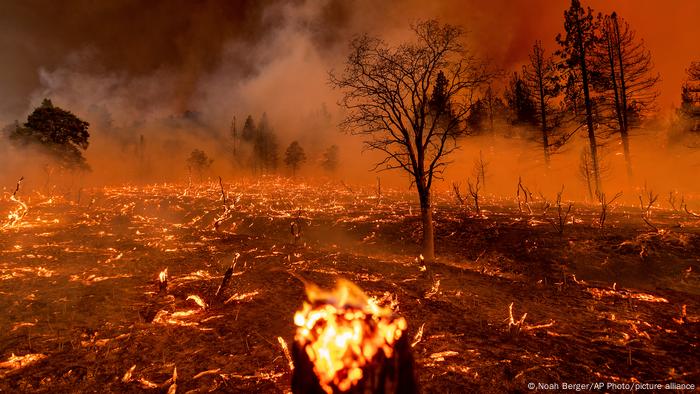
{"points": [[342, 331]]}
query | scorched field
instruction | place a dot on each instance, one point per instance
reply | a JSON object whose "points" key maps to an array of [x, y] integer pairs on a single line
{"points": [[195, 288]]}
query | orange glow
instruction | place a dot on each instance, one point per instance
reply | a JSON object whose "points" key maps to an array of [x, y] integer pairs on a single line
{"points": [[341, 331]]}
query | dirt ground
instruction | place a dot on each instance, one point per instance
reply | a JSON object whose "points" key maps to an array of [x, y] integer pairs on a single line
{"points": [[82, 311]]}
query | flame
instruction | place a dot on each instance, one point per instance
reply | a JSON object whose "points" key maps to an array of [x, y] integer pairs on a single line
{"points": [[341, 331], [163, 276]]}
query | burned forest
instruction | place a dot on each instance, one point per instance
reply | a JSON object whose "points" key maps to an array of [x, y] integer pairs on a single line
{"points": [[349, 197]]}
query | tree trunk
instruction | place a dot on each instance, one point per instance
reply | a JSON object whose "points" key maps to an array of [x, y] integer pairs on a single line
{"points": [[543, 110], [426, 211], [589, 110], [624, 129]]}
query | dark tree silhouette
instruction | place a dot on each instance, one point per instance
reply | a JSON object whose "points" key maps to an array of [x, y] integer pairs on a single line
{"points": [[577, 45], [478, 117], [249, 129], [544, 83], [388, 93], [199, 162], [624, 75], [330, 159], [265, 147], [294, 156], [59, 132], [520, 101], [690, 98]]}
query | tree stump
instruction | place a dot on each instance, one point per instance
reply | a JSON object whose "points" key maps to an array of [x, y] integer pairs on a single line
{"points": [[381, 376]]}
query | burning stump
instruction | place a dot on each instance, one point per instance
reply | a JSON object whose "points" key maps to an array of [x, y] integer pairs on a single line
{"points": [[346, 343]]}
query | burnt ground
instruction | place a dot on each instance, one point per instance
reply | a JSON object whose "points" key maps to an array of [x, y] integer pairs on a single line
{"points": [[80, 293]]}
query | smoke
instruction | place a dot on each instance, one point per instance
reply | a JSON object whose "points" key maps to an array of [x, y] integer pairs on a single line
{"points": [[156, 81]]}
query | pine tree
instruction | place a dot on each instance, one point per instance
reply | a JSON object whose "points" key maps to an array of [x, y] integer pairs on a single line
{"points": [[577, 45], [294, 157], [249, 129], [330, 159], [690, 98], [624, 78], [543, 80]]}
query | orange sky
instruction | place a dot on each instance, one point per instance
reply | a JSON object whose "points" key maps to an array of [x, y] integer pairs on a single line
{"points": [[671, 30]]}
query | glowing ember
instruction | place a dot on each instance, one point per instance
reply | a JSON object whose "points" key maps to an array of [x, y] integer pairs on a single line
{"points": [[342, 331], [17, 362]]}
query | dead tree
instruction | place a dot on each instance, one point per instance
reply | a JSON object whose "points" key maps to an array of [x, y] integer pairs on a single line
{"points": [[410, 101], [474, 192], [480, 169], [526, 199], [604, 204], [673, 199], [646, 201], [562, 215], [223, 193], [458, 194]]}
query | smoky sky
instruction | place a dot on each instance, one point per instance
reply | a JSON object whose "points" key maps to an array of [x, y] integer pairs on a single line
{"points": [[136, 38], [191, 40]]}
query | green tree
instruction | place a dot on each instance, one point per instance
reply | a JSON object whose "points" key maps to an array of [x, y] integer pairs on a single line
{"points": [[58, 132], [294, 157]]}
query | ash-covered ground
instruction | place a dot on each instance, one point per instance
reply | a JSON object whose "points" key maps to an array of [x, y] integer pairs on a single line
{"points": [[82, 310]]}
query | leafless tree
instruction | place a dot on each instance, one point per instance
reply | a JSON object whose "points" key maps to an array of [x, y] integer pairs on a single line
{"points": [[604, 204], [409, 101], [526, 196], [474, 192], [562, 214], [480, 169], [647, 199], [458, 194], [673, 200]]}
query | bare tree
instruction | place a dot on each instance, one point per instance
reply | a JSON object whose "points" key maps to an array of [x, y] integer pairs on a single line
{"points": [[480, 169], [526, 199], [647, 199], [562, 214], [410, 101], [624, 74], [604, 205], [474, 192]]}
